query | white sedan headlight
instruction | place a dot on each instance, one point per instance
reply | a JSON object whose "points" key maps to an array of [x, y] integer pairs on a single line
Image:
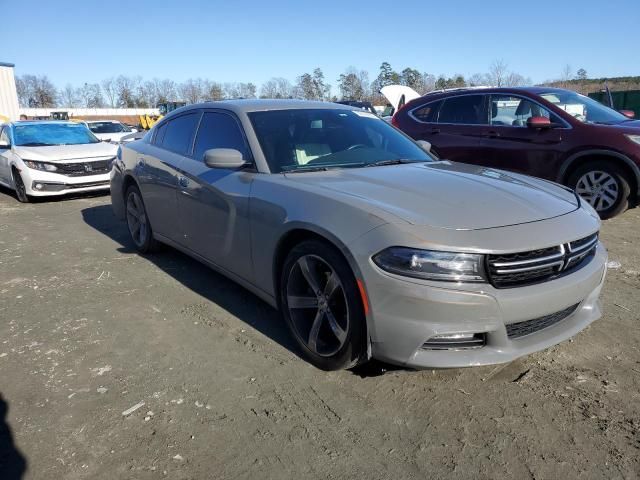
{"points": [[432, 265], [47, 167]]}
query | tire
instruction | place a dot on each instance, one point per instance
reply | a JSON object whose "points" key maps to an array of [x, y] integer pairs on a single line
{"points": [[138, 221], [321, 304], [604, 185], [20, 189]]}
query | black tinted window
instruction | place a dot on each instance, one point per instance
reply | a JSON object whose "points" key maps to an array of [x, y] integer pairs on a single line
{"points": [[427, 113], [157, 140], [180, 131], [466, 109], [218, 130]]}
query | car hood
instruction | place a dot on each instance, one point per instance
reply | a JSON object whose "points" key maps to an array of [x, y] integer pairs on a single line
{"points": [[66, 152], [394, 93], [448, 195], [112, 136]]}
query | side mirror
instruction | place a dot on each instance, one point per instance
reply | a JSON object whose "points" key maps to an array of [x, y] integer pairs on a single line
{"points": [[4, 145], [628, 113], [426, 146], [539, 122], [224, 158]]}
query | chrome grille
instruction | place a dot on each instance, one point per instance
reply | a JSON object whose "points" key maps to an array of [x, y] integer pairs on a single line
{"points": [[83, 169], [520, 329], [534, 266]]}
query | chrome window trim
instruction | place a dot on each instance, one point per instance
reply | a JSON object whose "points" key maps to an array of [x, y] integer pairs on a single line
{"points": [[567, 125]]}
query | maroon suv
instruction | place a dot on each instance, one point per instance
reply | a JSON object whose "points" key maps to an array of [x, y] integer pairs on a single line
{"points": [[546, 132]]}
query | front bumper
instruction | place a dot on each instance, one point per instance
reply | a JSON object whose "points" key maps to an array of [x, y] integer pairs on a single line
{"points": [[39, 183], [405, 313]]}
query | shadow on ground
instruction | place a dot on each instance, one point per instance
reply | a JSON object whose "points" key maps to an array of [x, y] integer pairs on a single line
{"points": [[199, 278], [13, 465], [214, 287]]}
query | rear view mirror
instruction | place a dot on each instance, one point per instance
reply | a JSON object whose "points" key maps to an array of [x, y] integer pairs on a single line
{"points": [[224, 158], [426, 146], [539, 122], [628, 113]]}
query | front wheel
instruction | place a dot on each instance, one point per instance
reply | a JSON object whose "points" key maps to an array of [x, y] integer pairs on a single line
{"points": [[322, 306], [604, 185], [21, 190]]}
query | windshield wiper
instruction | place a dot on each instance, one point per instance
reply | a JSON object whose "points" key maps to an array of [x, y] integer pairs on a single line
{"points": [[35, 144], [396, 161], [305, 169]]}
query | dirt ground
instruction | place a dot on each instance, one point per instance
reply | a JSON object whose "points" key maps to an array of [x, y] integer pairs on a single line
{"points": [[89, 330]]}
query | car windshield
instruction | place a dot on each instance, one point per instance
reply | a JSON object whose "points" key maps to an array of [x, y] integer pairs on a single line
{"points": [[47, 134], [304, 139], [583, 108], [107, 127]]}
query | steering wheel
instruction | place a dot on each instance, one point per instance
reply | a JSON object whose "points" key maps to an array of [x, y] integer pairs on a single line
{"points": [[357, 145]]}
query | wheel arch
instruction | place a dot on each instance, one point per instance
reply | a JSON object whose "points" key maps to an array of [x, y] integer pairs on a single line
{"points": [[299, 232], [577, 159]]}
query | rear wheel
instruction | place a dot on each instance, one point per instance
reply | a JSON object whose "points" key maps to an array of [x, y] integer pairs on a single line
{"points": [[604, 185], [21, 190], [138, 221], [322, 306]]}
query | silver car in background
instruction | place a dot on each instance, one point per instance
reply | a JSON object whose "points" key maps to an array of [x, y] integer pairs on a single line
{"points": [[368, 245]]}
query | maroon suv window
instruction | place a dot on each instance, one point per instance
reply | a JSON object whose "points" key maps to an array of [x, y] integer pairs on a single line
{"points": [[427, 113], [465, 109]]}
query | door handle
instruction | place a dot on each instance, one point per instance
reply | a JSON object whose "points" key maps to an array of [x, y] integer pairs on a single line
{"points": [[492, 134], [183, 181], [435, 130]]}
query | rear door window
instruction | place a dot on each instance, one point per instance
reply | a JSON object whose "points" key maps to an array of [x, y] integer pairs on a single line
{"points": [[464, 110], [219, 130], [180, 132]]}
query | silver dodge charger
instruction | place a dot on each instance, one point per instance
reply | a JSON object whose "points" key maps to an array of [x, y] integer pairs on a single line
{"points": [[368, 245]]}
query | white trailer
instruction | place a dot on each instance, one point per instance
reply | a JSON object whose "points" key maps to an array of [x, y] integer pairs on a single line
{"points": [[8, 93]]}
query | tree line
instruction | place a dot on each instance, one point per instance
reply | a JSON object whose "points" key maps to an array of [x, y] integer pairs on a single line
{"points": [[353, 84]]}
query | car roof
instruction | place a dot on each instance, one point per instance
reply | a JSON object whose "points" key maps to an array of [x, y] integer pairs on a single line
{"points": [[102, 121], [260, 105], [439, 94], [42, 122]]}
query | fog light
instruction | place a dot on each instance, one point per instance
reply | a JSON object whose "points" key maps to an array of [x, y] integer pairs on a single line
{"points": [[38, 186], [456, 341]]}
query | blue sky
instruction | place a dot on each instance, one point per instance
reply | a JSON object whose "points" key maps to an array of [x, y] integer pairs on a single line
{"points": [[86, 41]]}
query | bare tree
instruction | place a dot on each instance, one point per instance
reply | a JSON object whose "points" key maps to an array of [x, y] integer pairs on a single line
{"points": [[91, 95], [191, 91], [126, 91], [110, 91], [566, 75], [276, 88], [498, 71], [165, 91], [69, 96], [36, 91]]}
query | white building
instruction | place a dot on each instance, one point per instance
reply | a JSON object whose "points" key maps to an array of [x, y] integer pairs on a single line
{"points": [[8, 93]]}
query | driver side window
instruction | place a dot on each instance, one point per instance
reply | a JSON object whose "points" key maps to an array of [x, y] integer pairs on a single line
{"points": [[510, 111]]}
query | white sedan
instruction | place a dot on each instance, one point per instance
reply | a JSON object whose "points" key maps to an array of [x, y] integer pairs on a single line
{"points": [[41, 158], [109, 130]]}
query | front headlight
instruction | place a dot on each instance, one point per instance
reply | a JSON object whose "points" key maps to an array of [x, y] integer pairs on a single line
{"points": [[633, 138], [431, 264], [47, 167]]}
